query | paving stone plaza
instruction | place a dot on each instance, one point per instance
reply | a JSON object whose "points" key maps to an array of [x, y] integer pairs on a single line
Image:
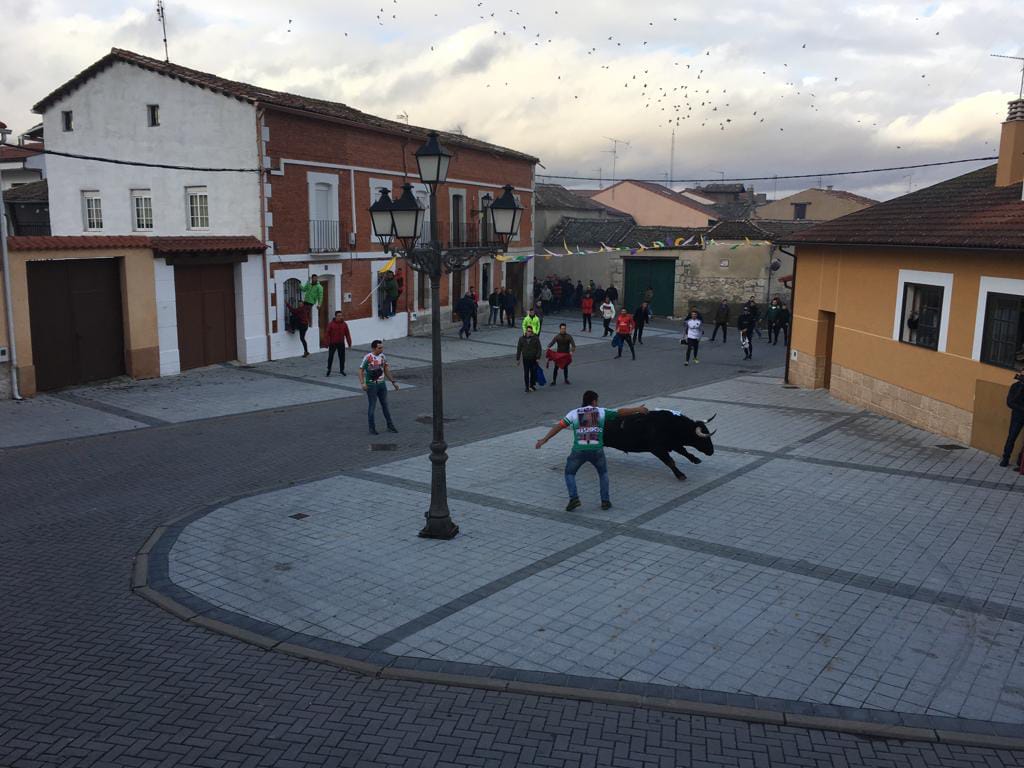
{"points": [[829, 588]]}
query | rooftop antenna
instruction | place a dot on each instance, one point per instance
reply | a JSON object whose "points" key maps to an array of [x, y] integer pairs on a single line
{"points": [[614, 152], [163, 24], [403, 116], [600, 178], [1015, 58]]}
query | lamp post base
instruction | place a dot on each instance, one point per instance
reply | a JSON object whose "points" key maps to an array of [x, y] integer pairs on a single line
{"points": [[439, 528]]}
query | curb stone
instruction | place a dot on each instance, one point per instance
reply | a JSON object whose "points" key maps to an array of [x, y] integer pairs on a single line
{"points": [[601, 693]]}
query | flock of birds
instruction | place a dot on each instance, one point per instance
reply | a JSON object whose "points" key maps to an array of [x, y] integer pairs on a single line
{"points": [[684, 95]]}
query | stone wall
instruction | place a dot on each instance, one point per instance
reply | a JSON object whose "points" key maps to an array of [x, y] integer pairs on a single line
{"points": [[902, 404], [807, 371], [5, 381]]}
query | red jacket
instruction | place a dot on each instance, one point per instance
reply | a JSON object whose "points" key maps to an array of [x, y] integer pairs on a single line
{"points": [[337, 332], [587, 305], [624, 324]]}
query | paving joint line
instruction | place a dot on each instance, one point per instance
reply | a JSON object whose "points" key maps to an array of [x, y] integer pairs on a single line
{"points": [[293, 377], [674, 699], [113, 410]]}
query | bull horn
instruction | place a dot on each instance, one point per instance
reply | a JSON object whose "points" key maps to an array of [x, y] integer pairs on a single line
{"points": [[701, 432], [711, 433], [711, 419]]}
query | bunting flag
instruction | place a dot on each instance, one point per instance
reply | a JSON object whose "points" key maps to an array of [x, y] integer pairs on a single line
{"points": [[642, 247], [389, 266], [551, 253], [658, 244], [605, 248], [566, 246]]}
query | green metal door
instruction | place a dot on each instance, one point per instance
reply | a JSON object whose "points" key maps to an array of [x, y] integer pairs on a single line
{"points": [[657, 274]]}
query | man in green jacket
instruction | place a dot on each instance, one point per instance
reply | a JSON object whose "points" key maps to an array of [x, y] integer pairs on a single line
{"points": [[528, 350], [312, 296], [531, 320]]}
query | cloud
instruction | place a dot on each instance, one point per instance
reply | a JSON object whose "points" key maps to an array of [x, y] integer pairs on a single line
{"points": [[737, 83]]}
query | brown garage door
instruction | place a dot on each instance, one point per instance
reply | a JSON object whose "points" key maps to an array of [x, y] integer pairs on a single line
{"points": [[75, 318], [206, 314]]}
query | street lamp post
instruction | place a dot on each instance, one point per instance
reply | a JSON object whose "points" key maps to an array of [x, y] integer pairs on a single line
{"points": [[402, 220]]}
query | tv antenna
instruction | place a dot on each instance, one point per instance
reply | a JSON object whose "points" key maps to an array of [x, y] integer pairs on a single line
{"points": [[614, 152], [672, 158], [403, 116], [600, 178], [1015, 58], [163, 24]]}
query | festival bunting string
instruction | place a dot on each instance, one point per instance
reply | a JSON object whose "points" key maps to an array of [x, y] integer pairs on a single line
{"points": [[655, 245]]}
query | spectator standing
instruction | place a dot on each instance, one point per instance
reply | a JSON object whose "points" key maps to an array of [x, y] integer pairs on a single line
{"points": [[494, 306], [771, 320], [784, 318], [624, 327], [476, 305], [649, 295], [755, 313], [587, 308], [694, 332], [640, 318], [745, 324], [1015, 402], [312, 296], [532, 320], [587, 425], [528, 351], [509, 305], [556, 296], [722, 321], [599, 295], [579, 293], [607, 310], [390, 294], [612, 294], [338, 336], [372, 372], [466, 308], [300, 322], [565, 348], [545, 299]]}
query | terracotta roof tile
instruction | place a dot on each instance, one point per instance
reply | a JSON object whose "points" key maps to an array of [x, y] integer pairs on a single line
{"points": [[75, 242], [207, 244], [12, 153], [555, 196], [213, 243], [614, 233], [968, 211], [254, 94]]}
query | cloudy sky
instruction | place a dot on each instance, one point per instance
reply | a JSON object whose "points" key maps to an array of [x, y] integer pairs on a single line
{"points": [[772, 87]]}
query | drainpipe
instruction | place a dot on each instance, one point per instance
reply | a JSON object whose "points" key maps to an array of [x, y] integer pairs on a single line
{"points": [[262, 178], [11, 343], [792, 316]]}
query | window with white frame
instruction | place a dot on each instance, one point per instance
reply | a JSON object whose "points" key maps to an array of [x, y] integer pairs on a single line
{"points": [[292, 299], [142, 210], [923, 301], [922, 314], [92, 210], [1002, 341], [198, 203]]}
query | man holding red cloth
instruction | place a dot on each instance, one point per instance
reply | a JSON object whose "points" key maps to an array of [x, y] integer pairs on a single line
{"points": [[562, 356]]}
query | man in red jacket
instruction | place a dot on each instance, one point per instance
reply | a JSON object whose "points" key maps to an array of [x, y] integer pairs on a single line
{"points": [[624, 327], [337, 336]]}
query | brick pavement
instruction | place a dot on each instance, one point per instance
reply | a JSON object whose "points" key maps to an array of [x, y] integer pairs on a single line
{"points": [[91, 675]]}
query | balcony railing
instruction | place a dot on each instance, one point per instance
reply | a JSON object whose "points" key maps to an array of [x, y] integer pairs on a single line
{"points": [[465, 234], [324, 236]]}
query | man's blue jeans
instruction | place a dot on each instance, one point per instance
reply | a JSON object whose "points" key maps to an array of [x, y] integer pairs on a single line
{"points": [[375, 392], [576, 460]]}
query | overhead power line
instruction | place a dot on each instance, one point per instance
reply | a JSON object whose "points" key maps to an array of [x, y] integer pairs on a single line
{"points": [[792, 176], [116, 161]]}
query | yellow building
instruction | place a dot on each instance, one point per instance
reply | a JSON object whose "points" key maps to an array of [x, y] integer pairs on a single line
{"points": [[813, 204], [914, 308]]}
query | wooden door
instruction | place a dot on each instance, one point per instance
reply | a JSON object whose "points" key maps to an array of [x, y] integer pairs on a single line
{"points": [[658, 274], [75, 317], [205, 297], [828, 323]]}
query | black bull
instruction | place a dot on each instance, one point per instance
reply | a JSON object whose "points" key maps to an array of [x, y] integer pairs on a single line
{"points": [[660, 433]]}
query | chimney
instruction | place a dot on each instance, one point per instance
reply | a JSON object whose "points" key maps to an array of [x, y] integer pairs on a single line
{"points": [[1011, 147]]}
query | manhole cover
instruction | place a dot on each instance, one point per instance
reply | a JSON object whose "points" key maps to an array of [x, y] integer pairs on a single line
{"points": [[383, 446], [430, 419], [299, 516], [951, 447]]}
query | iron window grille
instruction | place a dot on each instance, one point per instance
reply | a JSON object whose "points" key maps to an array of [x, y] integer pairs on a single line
{"points": [[1003, 335]]}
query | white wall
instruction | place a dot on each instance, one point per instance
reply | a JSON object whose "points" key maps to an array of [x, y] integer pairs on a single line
{"points": [[11, 174], [197, 128]]}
